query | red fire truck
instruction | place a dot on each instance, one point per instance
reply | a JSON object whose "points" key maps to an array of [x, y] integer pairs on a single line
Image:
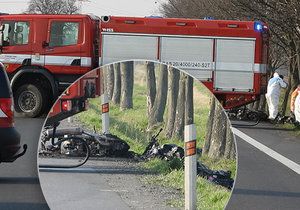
{"points": [[45, 53], [74, 99]]}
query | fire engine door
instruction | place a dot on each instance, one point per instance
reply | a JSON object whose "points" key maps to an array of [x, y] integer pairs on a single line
{"points": [[118, 47], [194, 55], [63, 46], [234, 70], [17, 44]]}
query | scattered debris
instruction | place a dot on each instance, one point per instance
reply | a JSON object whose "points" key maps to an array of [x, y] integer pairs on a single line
{"points": [[69, 142], [245, 114], [219, 177]]}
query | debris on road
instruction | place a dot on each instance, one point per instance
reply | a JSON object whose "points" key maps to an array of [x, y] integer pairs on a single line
{"points": [[65, 142]]}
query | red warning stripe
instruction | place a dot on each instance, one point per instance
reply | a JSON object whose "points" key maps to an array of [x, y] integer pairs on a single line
{"points": [[105, 108], [190, 148]]}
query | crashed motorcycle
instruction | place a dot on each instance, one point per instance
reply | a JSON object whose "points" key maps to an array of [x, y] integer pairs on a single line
{"points": [[75, 142]]}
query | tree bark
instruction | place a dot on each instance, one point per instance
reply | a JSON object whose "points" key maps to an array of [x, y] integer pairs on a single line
{"points": [[126, 85], [158, 109], [209, 125], [117, 84], [262, 103], [180, 110], [218, 137], [173, 88], [151, 86], [189, 102], [230, 151], [109, 81]]}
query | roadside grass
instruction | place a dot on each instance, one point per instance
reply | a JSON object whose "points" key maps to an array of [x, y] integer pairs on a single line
{"points": [[295, 131], [130, 125]]}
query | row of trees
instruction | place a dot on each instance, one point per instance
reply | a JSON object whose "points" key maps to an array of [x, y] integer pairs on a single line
{"points": [[169, 103], [168, 91]]}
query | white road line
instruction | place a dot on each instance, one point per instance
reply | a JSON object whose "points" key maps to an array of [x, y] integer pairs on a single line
{"points": [[285, 161]]}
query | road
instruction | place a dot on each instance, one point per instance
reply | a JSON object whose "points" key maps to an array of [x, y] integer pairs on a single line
{"points": [[19, 183], [105, 183], [262, 181]]}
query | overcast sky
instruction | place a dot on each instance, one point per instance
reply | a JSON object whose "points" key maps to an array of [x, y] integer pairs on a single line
{"points": [[97, 7]]}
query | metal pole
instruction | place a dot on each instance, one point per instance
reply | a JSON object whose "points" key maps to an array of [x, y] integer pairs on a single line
{"points": [[105, 113], [190, 167]]}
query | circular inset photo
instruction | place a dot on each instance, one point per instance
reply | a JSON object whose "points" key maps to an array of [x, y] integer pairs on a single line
{"points": [[137, 135]]}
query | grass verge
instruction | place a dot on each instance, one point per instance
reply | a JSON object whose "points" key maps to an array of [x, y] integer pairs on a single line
{"points": [[130, 125]]}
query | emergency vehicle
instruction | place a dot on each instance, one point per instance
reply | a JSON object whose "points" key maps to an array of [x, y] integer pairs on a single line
{"points": [[74, 99], [45, 53]]}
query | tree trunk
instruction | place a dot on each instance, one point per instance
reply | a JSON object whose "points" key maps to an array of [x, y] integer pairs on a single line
{"points": [[117, 84], [218, 136], [126, 85], [230, 151], [109, 81], [219, 139], [209, 125], [158, 109], [189, 103], [180, 109], [151, 86], [256, 105], [262, 103], [173, 88]]}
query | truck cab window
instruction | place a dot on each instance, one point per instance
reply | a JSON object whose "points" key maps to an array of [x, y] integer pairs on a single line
{"points": [[15, 33], [63, 33]]}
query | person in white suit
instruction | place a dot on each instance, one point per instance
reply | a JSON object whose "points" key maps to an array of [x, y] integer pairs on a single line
{"points": [[297, 108], [273, 93]]}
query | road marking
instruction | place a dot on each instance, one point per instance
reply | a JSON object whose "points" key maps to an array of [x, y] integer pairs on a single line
{"points": [[285, 161]]}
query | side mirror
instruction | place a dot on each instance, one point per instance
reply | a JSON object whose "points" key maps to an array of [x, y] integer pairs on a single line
{"points": [[45, 44]]}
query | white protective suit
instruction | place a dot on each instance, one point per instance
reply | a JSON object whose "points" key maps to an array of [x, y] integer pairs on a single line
{"points": [[297, 108], [273, 93]]}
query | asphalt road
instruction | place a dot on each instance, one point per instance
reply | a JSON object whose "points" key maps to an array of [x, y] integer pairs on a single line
{"points": [[262, 182], [105, 183], [19, 183]]}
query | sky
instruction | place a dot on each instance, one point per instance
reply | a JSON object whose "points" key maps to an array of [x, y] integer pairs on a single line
{"points": [[97, 7]]}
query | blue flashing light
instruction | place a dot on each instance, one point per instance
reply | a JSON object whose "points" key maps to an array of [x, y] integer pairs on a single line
{"points": [[208, 18], [258, 26]]}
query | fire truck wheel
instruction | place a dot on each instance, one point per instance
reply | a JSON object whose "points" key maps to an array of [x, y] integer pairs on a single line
{"points": [[30, 100]]}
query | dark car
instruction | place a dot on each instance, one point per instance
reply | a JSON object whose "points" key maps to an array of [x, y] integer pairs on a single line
{"points": [[9, 137]]}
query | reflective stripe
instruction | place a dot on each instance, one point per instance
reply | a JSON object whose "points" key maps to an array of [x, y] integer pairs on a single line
{"points": [[2, 114], [14, 58], [241, 67], [260, 68], [86, 61], [179, 36], [59, 60], [37, 59]]}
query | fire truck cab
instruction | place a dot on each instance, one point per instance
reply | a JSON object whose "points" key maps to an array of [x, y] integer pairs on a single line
{"points": [[44, 54]]}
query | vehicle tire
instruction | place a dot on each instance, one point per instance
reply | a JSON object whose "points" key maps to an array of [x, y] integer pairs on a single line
{"points": [[30, 100]]}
